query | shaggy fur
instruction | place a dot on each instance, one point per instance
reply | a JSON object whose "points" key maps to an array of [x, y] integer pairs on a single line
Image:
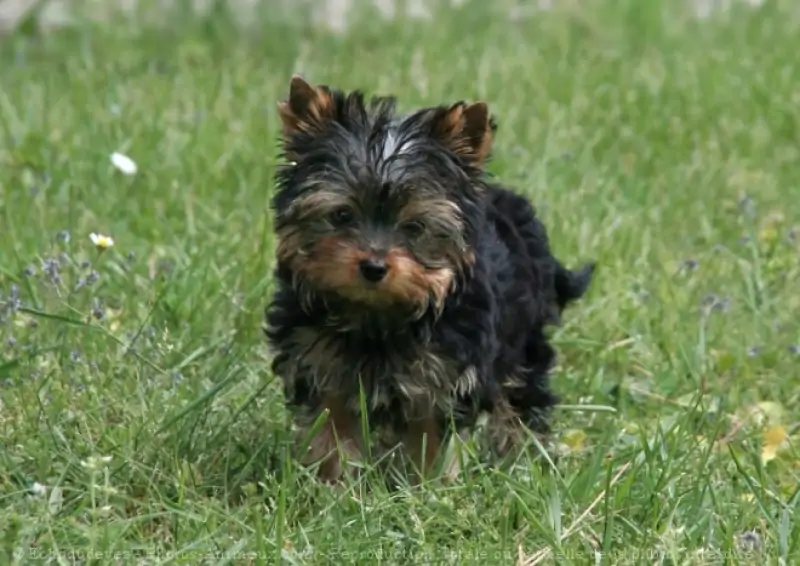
{"points": [[404, 271]]}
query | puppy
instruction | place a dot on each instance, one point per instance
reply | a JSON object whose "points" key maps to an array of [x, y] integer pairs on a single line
{"points": [[409, 284]]}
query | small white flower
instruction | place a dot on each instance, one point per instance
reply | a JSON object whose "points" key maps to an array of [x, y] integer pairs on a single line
{"points": [[38, 489], [124, 163], [96, 462], [102, 242]]}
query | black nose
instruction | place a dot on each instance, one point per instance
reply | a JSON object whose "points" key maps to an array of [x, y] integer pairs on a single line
{"points": [[373, 269]]}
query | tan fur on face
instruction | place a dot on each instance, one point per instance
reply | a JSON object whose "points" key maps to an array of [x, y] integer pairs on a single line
{"points": [[444, 225], [317, 203], [411, 283], [442, 209], [333, 265], [290, 244]]}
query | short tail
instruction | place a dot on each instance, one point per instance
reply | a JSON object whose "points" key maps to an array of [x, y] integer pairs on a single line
{"points": [[572, 285]]}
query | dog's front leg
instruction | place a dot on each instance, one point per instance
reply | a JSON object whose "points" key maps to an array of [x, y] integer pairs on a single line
{"points": [[423, 441], [340, 439]]}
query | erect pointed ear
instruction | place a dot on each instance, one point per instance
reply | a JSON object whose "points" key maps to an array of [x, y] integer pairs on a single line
{"points": [[308, 110], [467, 130]]}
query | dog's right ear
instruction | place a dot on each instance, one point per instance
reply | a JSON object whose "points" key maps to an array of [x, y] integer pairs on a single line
{"points": [[309, 109], [468, 130]]}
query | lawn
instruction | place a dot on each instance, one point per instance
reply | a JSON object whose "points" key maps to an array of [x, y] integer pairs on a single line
{"points": [[139, 422]]}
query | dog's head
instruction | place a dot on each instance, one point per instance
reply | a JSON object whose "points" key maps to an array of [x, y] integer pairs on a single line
{"points": [[376, 209]]}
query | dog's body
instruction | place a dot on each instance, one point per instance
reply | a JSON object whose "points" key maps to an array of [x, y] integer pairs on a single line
{"points": [[405, 274]]}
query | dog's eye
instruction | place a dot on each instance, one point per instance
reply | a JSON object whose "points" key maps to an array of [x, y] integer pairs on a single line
{"points": [[342, 216], [413, 229]]}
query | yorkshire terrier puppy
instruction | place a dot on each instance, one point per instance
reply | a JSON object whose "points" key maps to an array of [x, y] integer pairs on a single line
{"points": [[407, 279]]}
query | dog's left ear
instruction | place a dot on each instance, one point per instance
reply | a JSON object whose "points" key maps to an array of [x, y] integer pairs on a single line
{"points": [[467, 130], [308, 110]]}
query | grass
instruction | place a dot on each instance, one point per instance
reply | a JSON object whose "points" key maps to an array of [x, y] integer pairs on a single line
{"points": [[138, 418]]}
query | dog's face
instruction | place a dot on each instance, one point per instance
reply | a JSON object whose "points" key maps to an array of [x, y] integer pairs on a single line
{"points": [[376, 209]]}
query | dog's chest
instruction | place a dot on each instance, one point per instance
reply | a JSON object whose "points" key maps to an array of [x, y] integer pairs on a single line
{"points": [[418, 376]]}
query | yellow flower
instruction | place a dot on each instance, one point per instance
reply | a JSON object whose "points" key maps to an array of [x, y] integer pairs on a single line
{"points": [[102, 242], [774, 439]]}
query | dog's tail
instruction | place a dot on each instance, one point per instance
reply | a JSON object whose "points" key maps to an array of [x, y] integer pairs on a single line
{"points": [[572, 285]]}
